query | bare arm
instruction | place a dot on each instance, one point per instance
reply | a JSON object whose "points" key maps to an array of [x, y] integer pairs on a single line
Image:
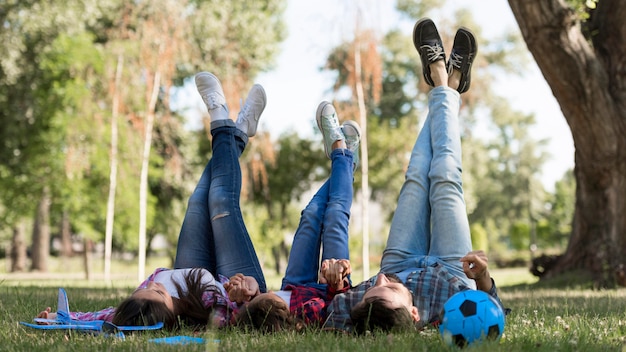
{"points": [[475, 267]]}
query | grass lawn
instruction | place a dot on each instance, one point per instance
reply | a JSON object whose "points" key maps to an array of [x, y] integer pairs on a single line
{"points": [[560, 316]]}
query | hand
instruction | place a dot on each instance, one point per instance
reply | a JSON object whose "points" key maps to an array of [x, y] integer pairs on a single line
{"points": [[46, 314], [334, 272], [242, 288], [475, 267]]}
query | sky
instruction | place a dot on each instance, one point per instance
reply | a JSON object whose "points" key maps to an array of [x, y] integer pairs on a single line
{"points": [[296, 86]]}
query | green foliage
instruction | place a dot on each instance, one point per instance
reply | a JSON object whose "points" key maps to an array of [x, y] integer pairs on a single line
{"points": [[235, 38], [583, 7], [520, 236], [57, 74], [480, 239]]}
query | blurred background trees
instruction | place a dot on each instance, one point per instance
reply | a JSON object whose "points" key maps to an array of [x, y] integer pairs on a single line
{"points": [[69, 70]]}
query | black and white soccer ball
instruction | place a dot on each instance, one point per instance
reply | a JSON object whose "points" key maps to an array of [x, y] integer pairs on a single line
{"points": [[469, 317]]}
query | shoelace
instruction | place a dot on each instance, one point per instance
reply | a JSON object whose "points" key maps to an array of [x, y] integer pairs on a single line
{"points": [[432, 52], [244, 111], [213, 100], [456, 60]]}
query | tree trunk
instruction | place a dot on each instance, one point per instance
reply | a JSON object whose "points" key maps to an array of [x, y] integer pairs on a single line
{"points": [[588, 81], [18, 248], [41, 234], [66, 236], [87, 249], [110, 217]]}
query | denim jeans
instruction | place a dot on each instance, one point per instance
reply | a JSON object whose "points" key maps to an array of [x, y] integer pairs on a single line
{"points": [[213, 235], [430, 222], [323, 224]]}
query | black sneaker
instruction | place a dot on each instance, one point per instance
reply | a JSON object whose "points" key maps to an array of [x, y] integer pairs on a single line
{"points": [[429, 45], [462, 56]]}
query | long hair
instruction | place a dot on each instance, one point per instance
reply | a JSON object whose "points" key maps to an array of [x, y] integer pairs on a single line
{"points": [[191, 309], [139, 312], [373, 314]]}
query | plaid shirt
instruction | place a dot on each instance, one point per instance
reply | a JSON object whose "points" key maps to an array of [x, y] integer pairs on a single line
{"points": [[431, 287], [309, 303]]}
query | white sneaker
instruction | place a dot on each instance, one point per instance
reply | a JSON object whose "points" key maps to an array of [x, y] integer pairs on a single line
{"points": [[212, 94], [352, 132], [328, 124], [248, 118]]}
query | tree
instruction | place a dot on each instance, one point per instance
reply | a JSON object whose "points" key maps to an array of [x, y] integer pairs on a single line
{"points": [[581, 58], [43, 67]]}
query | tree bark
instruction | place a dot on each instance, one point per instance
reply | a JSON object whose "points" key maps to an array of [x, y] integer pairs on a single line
{"points": [[66, 236], [41, 234], [588, 80], [18, 248]]}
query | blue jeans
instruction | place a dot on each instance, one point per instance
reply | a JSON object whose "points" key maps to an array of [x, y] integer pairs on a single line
{"points": [[213, 235], [430, 222], [323, 223]]}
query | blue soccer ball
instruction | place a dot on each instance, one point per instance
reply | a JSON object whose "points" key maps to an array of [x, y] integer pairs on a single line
{"points": [[469, 317]]}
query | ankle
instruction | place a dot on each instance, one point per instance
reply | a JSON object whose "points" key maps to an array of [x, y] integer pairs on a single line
{"points": [[220, 113], [439, 73], [339, 144], [454, 80]]}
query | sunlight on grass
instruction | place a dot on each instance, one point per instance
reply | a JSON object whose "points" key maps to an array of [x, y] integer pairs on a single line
{"points": [[557, 317], [512, 276]]}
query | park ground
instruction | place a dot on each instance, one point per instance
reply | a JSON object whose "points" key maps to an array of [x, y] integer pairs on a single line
{"points": [[563, 315]]}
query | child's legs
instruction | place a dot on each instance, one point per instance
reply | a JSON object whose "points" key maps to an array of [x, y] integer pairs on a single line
{"points": [[335, 235], [450, 228], [304, 256], [337, 216], [409, 235]]}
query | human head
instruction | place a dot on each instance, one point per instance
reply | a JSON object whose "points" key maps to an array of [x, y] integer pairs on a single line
{"points": [[267, 313], [146, 306], [386, 306]]}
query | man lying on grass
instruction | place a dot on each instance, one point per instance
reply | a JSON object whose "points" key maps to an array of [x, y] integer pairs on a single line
{"points": [[428, 257]]}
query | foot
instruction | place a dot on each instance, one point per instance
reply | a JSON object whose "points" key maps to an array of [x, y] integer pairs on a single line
{"points": [[328, 124], [429, 45], [462, 56], [212, 94], [352, 132], [248, 118]]}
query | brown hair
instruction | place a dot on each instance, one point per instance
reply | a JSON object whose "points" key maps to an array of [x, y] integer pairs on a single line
{"points": [[266, 315], [190, 307], [373, 314], [138, 312]]}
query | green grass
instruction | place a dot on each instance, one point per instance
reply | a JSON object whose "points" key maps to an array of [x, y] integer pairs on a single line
{"points": [[560, 316]]}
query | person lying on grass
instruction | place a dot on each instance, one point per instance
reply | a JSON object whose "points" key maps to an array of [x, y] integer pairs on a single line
{"points": [[304, 293], [213, 244], [428, 256]]}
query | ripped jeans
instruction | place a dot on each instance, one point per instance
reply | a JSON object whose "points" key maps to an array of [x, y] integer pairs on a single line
{"points": [[213, 235]]}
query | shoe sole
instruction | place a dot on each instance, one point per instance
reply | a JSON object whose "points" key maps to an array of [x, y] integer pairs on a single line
{"points": [[318, 119], [353, 125], [356, 131], [256, 122]]}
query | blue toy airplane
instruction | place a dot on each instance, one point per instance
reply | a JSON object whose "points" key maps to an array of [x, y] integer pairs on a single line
{"points": [[63, 321]]}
